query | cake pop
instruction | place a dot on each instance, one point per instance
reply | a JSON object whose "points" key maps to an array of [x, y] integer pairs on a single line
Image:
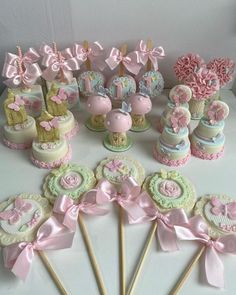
{"points": [[118, 122]]}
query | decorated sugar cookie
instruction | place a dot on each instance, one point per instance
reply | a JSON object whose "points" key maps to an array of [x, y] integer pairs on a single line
{"points": [[219, 212], [170, 189], [72, 180], [21, 216], [116, 168], [180, 95]]}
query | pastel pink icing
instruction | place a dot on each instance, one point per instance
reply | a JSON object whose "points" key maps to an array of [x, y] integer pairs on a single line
{"points": [[205, 156], [118, 121], [179, 119], [70, 180], [187, 64], [224, 68], [170, 188], [72, 132], [140, 104], [204, 83], [17, 146], [166, 161], [216, 112], [98, 104]]}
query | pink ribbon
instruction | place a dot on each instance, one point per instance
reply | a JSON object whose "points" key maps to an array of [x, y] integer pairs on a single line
{"points": [[56, 61], [125, 196], [154, 54], [94, 52], [166, 221], [21, 70], [197, 230], [51, 235], [130, 61], [65, 206]]}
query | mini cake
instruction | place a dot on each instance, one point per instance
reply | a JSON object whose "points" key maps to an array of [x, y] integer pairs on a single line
{"points": [[116, 168], [49, 150], [59, 67], [173, 146], [57, 103], [179, 96], [98, 106], [141, 105], [118, 122], [207, 139], [72, 180], [170, 189], [20, 129], [21, 216], [219, 212], [23, 72]]}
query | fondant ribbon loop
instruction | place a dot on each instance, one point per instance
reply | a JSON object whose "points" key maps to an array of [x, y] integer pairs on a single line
{"points": [[166, 221], [153, 54], [52, 235], [65, 206], [130, 61], [197, 230]]}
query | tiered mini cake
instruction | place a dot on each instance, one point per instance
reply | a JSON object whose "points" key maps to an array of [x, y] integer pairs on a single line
{"points": [[20, 129], [179, 96], [173, 146], [207, 139]]}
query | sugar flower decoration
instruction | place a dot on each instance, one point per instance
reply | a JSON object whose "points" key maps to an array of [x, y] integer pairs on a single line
{"points": [[224, 68], [179, 119], [187, 64], [217, 111], [204, 83]]}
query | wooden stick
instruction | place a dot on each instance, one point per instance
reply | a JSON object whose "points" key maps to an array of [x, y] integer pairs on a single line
{"points": [[142, 258], [92, 256], [52, 273], [149, 47], [121, 66], [187, 272], [88, 62], [122, 252]]}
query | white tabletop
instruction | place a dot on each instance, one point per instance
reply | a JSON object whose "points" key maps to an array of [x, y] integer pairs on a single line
{"points": [[161, 270]]}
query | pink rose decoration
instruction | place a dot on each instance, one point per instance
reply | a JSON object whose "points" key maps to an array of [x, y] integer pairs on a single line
{"points": [[224, 68], [204, 83], [70, 180], [170, 188], [187, 64], [216, 112], [179, 119]]}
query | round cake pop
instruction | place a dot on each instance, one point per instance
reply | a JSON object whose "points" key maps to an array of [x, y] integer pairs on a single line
{"points": [[118, 122], [98, 105]]}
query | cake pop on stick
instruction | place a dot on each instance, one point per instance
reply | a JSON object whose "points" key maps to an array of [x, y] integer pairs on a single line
{"points": [[213, 225], [23, 73], [171, 194], [92, 54], [25, 229]]}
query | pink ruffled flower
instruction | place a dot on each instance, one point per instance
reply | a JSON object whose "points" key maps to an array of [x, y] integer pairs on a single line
{"points": [[70, 181], [187, 64], [170, 188], [179, 119], [224, 68], [216, 112], [204, 83]]}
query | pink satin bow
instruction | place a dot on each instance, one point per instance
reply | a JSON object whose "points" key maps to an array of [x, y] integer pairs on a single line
{"points": [[94, 52], [56, 61], [166, 221], [144, 54], [65, 206], [130, 61], [218, 208], [21, 70], [197, 230], [125, 196], [51, 235]]}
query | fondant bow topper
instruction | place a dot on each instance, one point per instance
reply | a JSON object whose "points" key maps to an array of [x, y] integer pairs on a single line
{"points": [[145, 54], [130, 61], [69, 211], [95, 53], [51, 235], [165, 221], [58, 63], [197, 230], [21, 70]]}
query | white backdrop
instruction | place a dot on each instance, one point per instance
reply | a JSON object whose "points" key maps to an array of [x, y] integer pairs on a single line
{"points": [[206, 27]]}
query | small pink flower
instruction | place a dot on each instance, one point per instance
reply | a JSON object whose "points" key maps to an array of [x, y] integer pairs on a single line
{"points": [[170, 188], [216, 112], [70, 180], [179, 119]]}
